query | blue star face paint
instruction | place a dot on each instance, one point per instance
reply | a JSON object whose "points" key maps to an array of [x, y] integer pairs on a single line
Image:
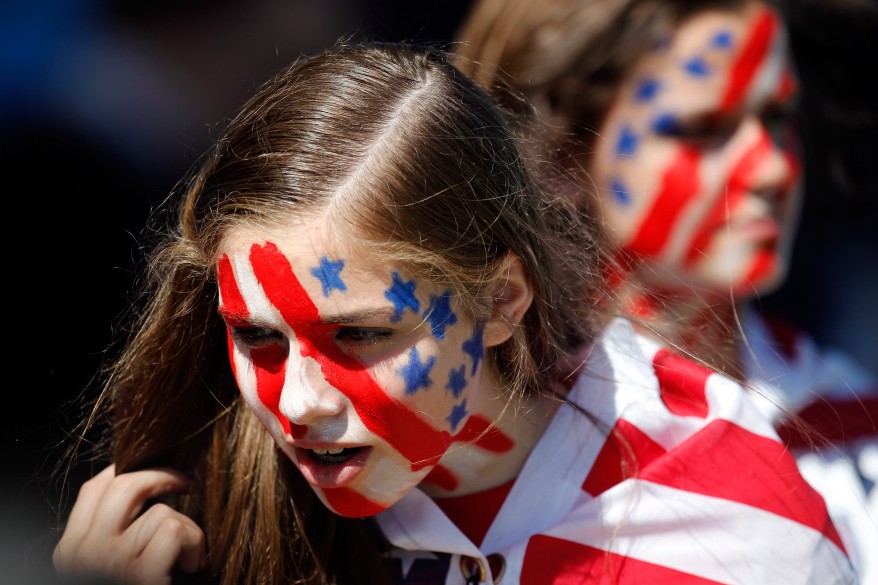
{"points": [[402, 294], [329, 275], [458, 412], [416, 373], [440, 315], [456, 381], [627, 144], [475, 346]]}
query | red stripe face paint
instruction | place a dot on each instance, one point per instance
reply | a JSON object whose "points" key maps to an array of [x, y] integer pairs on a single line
{"points": [[693, 185], [751, 59], [742, 180], [679, 184], [363, 377]]}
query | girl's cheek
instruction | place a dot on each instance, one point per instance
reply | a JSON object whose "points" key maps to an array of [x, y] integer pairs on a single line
{"points": [[679, 183], [263, 384]]}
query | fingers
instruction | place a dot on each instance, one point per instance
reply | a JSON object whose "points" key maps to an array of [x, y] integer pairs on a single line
{"points": [[124, 497], [90, 495], [107, 534], [172, 536]]}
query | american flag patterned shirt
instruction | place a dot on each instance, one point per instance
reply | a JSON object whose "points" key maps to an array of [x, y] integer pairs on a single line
{"points": [[838, 399], [675, 477]]}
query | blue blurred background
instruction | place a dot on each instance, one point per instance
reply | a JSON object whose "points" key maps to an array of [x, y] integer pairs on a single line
{"points": [[105, 105]]}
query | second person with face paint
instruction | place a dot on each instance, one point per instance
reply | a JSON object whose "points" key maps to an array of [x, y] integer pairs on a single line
{"points": [[354, 366], [673, 120]]}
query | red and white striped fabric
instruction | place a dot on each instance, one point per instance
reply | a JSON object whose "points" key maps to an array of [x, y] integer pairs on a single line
{"points": [[837, 399], [675, 478]]}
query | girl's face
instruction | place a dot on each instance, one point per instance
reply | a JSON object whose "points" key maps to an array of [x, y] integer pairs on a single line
{"points": [[363, 374], [695, 167]]}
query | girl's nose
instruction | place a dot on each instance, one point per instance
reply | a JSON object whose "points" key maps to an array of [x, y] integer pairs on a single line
{"points": [[771, 168], [306, 396]]}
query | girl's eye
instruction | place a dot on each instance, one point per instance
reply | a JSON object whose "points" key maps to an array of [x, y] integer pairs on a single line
{"points": [[256, 336], [778, 122], [362, 335], [700, 132], [703, 133]]}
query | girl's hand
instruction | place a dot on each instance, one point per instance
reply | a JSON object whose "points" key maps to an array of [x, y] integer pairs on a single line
{"points": [[106, 534]]}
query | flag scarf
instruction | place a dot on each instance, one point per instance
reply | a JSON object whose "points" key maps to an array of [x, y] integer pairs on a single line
{"points": [[664, 472]]}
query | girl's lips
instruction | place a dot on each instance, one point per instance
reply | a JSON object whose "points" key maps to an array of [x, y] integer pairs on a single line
{"points": [[764, 229], [319, 473]]}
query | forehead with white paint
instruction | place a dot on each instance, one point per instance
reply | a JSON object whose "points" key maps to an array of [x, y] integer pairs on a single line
{"points": [[716, 62], [317, 251]]}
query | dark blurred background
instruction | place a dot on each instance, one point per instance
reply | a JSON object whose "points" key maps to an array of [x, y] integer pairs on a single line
{"points": [[105, 105]]}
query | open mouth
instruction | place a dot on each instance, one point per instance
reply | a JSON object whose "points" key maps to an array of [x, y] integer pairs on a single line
{"points": [[333, 456], [332, 468]]}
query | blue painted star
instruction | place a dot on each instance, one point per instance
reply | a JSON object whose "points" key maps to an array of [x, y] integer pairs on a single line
{"points": [[646, 89], [475, 346], [402, 295], [627, 142], [416, 373], [697, 67], [620, 192], [329, 275], [458, 411], [666, 124], [440, 315], [722, 40], [456, 380]]}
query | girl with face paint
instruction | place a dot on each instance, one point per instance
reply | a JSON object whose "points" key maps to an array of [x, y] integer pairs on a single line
{"points": [[673, 120], [354, 366]]}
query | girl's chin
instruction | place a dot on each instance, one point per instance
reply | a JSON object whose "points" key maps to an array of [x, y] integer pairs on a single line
{"points": [[350, 503]]}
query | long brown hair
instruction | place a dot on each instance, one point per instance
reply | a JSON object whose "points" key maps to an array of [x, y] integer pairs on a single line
{"points": [[429, 173]]}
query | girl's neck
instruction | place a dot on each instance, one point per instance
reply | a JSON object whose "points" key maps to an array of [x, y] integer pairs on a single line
{"points": [[706, 327], [493, 449]]}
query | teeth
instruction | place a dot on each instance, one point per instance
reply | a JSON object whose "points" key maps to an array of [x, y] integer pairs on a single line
{"points": [[328, 451]]}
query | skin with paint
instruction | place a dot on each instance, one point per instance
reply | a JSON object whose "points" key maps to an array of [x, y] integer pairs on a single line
{"points": [[371, 382], [695, 170], [343, 310]]}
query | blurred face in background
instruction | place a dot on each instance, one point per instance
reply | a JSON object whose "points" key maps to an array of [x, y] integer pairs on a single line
{"points": [[695, 166]]}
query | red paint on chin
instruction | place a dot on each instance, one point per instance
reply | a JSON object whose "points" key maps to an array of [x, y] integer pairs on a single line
{"points": [[679, 185], [351, 503], [750, 59], [478, 431], [442, 477], [764, 266], [389, 419]]}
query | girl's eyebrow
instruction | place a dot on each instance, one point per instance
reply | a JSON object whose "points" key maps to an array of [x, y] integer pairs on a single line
{"points": [[357, 316], [230, 315]]}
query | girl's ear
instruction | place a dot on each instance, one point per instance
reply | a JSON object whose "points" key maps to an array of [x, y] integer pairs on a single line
{"points": [[511, 301]]}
